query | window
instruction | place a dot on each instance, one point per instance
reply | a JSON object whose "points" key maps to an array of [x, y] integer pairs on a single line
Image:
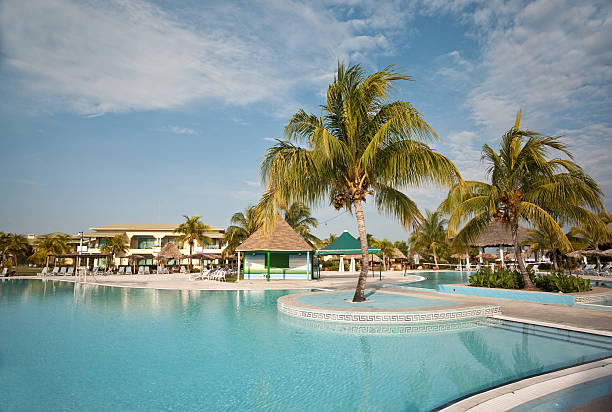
{"points": [[102, 241], [146, 243], [279, 260]]}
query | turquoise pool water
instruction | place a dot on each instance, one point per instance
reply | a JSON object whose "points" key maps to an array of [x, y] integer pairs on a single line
{"points": [[67, 347], [437, 277], [375, 301]]}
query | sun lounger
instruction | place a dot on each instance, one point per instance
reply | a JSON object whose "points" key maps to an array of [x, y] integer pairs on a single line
{"points": [[70, 271], [55, 271], [128, 270], [62, 271], [44, 271], [146, 270], [141, 270], [121, 270], [5, 272], [183, 270], [95, 270], [199, 276]]}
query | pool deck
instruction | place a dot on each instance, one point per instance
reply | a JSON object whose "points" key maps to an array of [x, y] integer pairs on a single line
{"points": [[574, 316]]}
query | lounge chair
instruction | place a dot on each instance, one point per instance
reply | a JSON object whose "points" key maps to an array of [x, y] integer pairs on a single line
{"points": [[95, 270], [70, 271], [589, 270], [62, 271], [605, 271], [199, 276], [121, 270], [44, 272], [146, 270], [128, 270], [55, 271], [183, 270], [5, 272]]}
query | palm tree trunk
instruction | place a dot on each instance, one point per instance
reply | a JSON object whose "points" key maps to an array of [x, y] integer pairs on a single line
{"points": [[555, 263], [435, 258], [363, 238], [519, 255], [190, 253]]}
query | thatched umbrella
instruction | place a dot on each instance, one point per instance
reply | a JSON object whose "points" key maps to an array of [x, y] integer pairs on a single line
{"points": [[133, 259], [576, 254], [498, 234], [460, 256], [170, 251]]}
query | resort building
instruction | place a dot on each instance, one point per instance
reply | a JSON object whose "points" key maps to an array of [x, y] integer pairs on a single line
{"points": [[280, 254], [147, 240]]}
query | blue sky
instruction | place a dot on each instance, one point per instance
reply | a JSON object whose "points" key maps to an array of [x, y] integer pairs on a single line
{"points": [[143, 111]]}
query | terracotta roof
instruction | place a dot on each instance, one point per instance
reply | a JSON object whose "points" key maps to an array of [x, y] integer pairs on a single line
{"points": [[499, 234], [143, 226], [282, 238]]}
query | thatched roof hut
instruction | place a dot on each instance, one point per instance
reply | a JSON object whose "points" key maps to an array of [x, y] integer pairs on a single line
{"points": [[398, 254], [170, 251], [282, 238], [498, 234]]}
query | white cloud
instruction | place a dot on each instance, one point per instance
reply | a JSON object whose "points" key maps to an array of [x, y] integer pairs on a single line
{"points": [[118, 56], [182, 130], [252, 183]]}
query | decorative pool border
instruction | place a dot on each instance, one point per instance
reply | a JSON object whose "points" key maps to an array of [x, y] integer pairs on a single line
{"points": [[289, 305]]}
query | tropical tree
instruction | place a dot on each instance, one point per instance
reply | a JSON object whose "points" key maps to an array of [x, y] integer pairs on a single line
{"points": [[586, 236], [191, 231], [361, 145], [545, 239], [430, 236], [387, 249], [114, 245], [3, 243], [54, 244], [525, 185], [242, 225], [327, 241], [299, 217], [15, 245], [402, 246]]}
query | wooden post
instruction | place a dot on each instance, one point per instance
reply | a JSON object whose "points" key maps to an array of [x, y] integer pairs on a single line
{"points": [[238, 271], [308, 264]]}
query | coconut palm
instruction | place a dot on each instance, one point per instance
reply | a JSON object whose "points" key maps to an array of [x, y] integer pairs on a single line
{"points": [[526, 185], [53, 244], [114, 245], [298, 216], [242, 225], [430, 236], [190, 232], [15, 245], [3, 243], [589, 237], [361, 145], [545, 239], [386, 248]]}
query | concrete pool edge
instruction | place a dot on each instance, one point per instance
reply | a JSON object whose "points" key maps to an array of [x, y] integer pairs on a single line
{"points": [[514, 394], [291, 306]]}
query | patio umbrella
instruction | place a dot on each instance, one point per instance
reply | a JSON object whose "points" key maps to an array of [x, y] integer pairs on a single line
{"points": [[576, 254], [134, 258], [170, 251]]}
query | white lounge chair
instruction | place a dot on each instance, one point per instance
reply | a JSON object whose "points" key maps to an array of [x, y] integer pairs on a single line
{"points": [[55, 271], [121, 270], [128, 270], [62, 271], [147, 271], [199, 276], [44, 271], [183, 270], [5, 272], [70, 271], [95, 270]]}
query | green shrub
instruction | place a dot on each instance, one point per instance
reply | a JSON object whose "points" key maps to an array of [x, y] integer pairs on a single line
{"points": [[502, 278], [560, 282]]}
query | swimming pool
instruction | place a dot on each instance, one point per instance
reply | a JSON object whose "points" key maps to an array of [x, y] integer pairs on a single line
{"points": [[86, 347], [437, 277]]}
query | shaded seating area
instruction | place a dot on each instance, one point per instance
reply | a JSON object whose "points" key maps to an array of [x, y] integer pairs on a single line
{"points": [[347, 246], [280, 254], [498, 235], [79, 260]]}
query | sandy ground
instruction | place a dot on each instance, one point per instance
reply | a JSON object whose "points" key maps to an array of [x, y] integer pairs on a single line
{"points": [[566, 315]]}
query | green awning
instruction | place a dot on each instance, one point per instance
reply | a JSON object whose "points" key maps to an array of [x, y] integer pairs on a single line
{"points": [[345, 245]]}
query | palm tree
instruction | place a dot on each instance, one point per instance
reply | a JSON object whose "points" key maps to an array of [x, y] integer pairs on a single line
{"points": [[526, 185], [590, 237], [328, 241], [544, 239], [16, 245], [387, 249], [114, 245], [192, 231], [361, 145], [430, 236], [298, 216], [3, 243], [54, 244], [242, 225]]}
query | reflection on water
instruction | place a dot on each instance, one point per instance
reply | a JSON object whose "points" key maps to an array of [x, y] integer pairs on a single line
{"points": [[228, 350]]}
